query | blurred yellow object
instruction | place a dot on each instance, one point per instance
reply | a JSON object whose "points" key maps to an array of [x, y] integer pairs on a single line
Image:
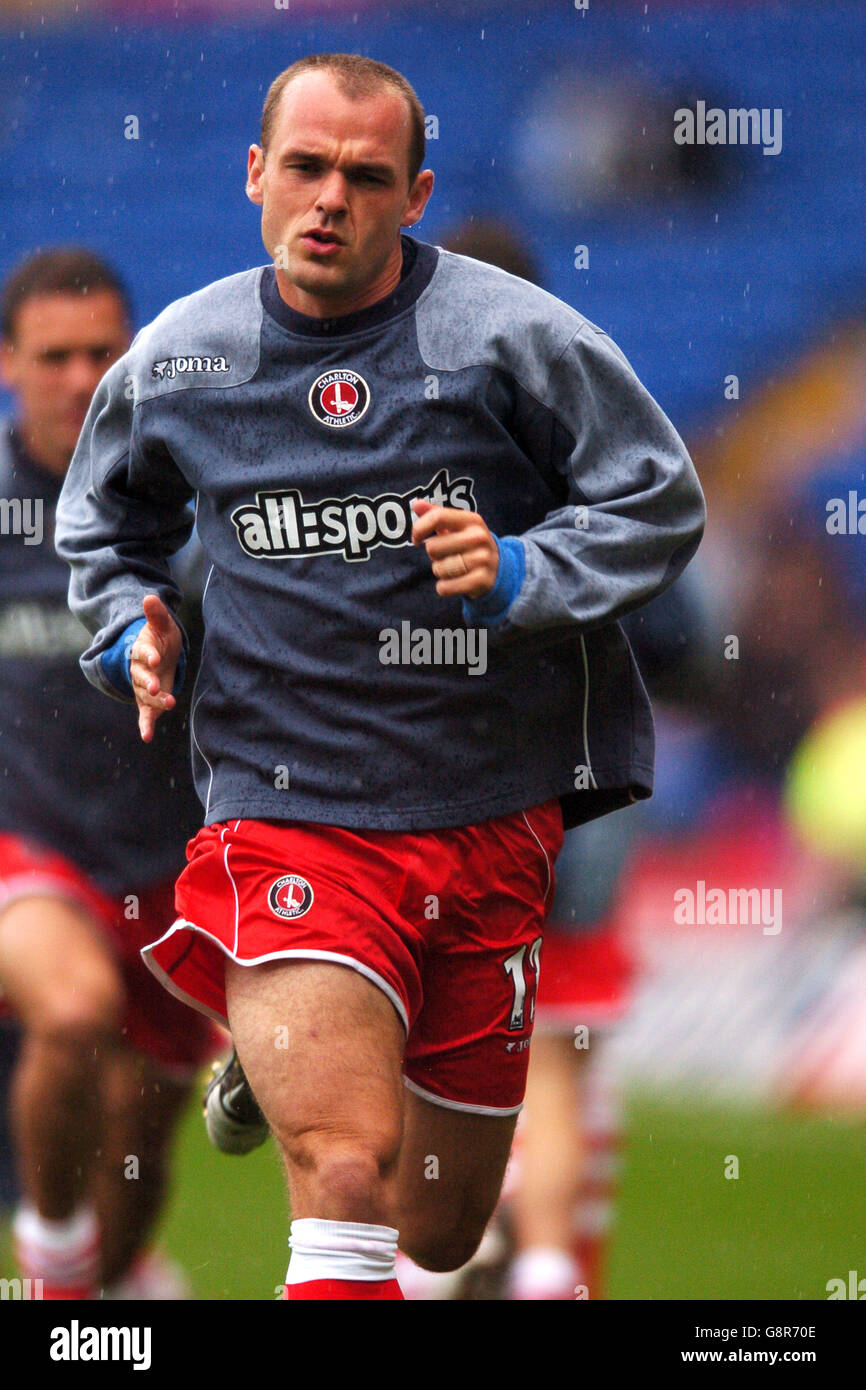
{"points": [[825, 793]]}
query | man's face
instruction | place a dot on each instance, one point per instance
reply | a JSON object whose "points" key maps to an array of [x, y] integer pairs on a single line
{"points": [[338, 169], [62, 345]]}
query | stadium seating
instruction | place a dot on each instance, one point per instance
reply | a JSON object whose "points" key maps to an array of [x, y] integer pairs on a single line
{"points": [[733, 283]]}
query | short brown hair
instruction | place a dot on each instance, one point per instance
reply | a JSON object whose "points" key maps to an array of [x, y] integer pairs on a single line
{"points": [[357, 78], [63, 270]]}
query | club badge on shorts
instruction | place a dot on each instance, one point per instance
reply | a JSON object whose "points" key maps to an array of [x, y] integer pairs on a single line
{"points": [[290, 896], [339, 398]]}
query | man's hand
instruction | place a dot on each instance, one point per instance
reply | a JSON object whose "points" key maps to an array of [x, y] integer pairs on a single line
{"points": [[463, 552], [153, 663]]}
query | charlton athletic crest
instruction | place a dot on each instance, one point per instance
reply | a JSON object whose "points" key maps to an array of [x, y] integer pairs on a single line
{"points": [[290, 896], [339, 398]]}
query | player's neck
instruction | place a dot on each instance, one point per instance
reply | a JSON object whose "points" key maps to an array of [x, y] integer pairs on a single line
{"points": [[318, 307]]}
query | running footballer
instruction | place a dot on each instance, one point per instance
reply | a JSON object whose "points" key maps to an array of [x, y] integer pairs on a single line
{"points": [[377, 433]]}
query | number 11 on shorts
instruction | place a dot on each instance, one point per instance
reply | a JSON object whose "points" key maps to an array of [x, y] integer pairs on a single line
{"points": [[514, 968]]}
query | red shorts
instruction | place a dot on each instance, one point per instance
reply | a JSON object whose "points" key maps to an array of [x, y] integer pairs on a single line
{"points": [[154, 1024], [587, 978], [447, 923]]}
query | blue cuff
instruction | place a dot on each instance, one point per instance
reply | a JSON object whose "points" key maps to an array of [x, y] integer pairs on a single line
{"points": [[114, 661], [493, 606]]}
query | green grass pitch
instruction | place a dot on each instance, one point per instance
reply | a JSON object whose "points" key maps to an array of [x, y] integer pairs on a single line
{"points": [[793, 1219]]}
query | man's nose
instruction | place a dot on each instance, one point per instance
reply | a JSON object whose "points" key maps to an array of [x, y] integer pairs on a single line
{"points": [[332, 192]]}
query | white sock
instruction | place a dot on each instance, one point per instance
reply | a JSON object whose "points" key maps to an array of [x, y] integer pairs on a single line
{"points": [[340, 1250], [424, 1284], [64, 1252], [543, 1272]]}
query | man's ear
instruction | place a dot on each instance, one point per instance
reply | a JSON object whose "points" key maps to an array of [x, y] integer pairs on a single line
{"points": [[255, 169], [419, 196]]}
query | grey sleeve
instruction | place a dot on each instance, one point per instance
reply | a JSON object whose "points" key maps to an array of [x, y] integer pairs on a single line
{"points": [[122, 513], [635, 511]]}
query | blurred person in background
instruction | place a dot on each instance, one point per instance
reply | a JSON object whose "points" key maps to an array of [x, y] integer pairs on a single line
{"points": [[784, 479], [106, 1056]]}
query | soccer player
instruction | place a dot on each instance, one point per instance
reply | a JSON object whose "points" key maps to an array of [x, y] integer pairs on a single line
{"points": [[92, 829], [426, 491]]}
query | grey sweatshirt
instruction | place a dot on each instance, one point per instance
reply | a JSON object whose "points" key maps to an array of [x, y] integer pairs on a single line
{"points": [[335, 685]]}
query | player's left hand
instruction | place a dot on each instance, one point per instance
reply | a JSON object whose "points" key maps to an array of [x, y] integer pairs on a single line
{"points": [[463, 551]]}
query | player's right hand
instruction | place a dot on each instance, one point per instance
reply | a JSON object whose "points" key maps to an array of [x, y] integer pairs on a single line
{"points": [[153, 663]]}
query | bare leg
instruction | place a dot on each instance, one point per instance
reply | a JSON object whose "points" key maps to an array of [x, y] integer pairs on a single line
{"points": [[451, 1168], [334, 1096], [66, 990], [141, 1108], [355, 1142], [551, 1153]]}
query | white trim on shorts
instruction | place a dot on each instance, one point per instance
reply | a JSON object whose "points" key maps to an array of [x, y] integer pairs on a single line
{"points": [[234, 887], [301, 953], [460, 1104]]}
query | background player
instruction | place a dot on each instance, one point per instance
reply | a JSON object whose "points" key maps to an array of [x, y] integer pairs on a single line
{"points": [[92, 828], [323, 851]]}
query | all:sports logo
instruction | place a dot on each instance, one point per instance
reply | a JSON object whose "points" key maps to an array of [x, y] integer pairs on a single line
{"points": [[282, 524]]}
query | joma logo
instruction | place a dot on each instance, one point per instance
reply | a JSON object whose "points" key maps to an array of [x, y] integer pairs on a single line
{"points": [[174, 366]]}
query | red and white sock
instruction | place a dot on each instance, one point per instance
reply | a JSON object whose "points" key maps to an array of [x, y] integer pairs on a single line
{"points": [[334, 1260], [63, 1255]]}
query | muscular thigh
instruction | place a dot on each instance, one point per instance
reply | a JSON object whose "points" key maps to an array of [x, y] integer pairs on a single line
{"points": [[322, 1047]]}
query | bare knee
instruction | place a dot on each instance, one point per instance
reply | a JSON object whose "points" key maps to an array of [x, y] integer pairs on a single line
{"points": [[77, 1019], [441, 1247], [444, 1239], [339, 1176]]}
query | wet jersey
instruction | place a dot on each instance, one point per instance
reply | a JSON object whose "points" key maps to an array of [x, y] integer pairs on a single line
{"points": [[336, 686]]}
